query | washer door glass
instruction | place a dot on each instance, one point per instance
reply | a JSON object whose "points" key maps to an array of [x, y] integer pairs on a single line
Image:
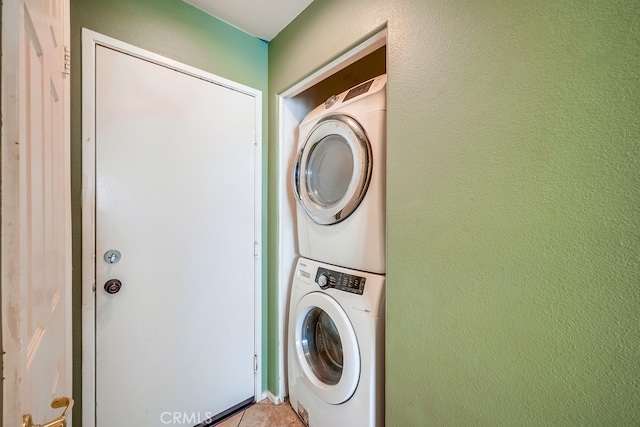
{"points": [[326, 348], [322, 346], [333, 169]]}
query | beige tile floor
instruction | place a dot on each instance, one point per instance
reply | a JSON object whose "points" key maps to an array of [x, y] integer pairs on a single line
{"points": [[264, 414]]}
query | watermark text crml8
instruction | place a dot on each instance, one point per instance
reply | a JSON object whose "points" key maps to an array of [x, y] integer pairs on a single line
{"points": [[184, 418]]}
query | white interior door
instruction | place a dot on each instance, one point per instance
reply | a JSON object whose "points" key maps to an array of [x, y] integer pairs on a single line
{"points": [[36, 218], [175, 196]]}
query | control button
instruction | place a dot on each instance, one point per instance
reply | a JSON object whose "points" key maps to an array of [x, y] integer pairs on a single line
{"points": [[330, 102]]}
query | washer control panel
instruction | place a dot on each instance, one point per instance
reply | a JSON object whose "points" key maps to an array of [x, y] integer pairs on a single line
{"points": [[341, 281]]}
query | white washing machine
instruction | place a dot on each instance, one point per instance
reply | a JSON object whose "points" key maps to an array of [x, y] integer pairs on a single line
{"points": [[339, 179], [336, 346]]}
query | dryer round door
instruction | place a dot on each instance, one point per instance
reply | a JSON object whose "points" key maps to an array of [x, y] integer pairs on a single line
{"points": [[326, 348], [333, 169]]}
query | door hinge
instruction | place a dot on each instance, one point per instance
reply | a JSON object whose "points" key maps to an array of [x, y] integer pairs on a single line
{"points": [[67, 61], [255, 249], [255, 363]]}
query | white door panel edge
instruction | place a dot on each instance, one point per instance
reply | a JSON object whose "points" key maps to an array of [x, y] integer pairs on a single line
{"points": [[90, 42], [36, 210]]}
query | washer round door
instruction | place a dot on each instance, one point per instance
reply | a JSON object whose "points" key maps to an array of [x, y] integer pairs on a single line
{"points": [[326, 348], [333, 169]]}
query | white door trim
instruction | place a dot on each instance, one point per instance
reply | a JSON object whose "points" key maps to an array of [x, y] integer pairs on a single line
{"points": [[288, 112], [90, 41]]}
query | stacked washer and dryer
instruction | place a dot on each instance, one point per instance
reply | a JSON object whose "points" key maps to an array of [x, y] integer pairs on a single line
{"points": [[336, 311]]}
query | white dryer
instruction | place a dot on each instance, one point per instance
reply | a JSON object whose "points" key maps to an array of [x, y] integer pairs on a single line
{"points": [[339, 179], [336, 346]]}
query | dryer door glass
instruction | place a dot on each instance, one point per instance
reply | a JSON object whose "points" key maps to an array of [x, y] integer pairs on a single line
{"points": [[329, 170], [322, 346], [333, 169]]}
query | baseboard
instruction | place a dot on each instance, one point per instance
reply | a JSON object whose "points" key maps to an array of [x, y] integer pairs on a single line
{"points": [[276, 400]]}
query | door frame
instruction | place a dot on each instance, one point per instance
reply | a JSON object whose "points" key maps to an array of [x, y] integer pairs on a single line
{"points": [[90, 41]]}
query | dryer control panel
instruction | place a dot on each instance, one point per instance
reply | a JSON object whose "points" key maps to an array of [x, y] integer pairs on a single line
{"points": [[341, 281]]}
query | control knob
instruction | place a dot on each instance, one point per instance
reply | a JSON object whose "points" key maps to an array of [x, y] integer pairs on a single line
{"points": [[323, 281]]}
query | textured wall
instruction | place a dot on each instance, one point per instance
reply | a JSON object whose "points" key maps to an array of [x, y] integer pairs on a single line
{"points": [[178, 31], [513, 203]]}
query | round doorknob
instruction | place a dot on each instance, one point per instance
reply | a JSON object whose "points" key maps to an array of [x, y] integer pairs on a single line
{"points": [[113, 286]]}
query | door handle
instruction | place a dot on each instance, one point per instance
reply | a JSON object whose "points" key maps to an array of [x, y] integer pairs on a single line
{"points": [[61, 421], [113, 286]]}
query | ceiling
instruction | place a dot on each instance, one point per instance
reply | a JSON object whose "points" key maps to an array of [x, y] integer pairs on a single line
{"points": [[260, 18]]}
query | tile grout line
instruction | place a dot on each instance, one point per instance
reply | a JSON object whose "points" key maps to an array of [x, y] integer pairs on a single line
{"points": [[241, 417]]}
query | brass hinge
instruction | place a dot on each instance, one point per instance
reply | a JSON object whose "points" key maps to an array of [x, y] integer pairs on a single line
{"points": [[67, 61]]}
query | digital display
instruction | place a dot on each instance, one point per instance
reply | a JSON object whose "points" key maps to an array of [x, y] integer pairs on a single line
{"points": [[358, 90]]}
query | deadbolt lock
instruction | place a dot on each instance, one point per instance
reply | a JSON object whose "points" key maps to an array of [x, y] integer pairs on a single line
{"points": [[112, 256]]}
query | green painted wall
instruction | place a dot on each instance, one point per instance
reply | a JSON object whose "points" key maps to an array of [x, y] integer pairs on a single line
{"points": [[513, 203], [178, 31]]}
